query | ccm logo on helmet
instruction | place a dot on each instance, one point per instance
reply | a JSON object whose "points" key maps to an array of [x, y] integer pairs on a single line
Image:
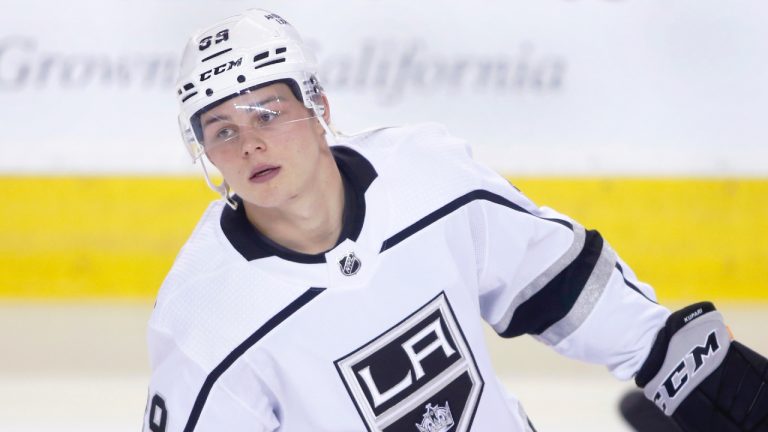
{"points": [[221, 69], [678, 378]]}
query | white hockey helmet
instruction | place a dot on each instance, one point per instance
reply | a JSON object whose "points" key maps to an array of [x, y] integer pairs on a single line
{"points": [[236, 55]]}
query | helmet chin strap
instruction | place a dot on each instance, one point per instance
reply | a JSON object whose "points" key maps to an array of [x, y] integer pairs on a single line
{"points": [[222, 189], [330, 133]]}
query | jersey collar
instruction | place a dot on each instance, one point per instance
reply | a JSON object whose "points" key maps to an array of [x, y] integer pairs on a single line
{"points": [[357, 174]]}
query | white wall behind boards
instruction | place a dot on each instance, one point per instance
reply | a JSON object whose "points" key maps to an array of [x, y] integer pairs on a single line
{"points": [[539, 87]]}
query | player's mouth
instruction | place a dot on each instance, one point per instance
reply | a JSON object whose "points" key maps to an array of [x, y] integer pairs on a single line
{"points": [[264, 173]]}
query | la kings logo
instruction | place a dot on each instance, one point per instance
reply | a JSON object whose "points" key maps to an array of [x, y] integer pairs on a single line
{"points": [[418, 376]]}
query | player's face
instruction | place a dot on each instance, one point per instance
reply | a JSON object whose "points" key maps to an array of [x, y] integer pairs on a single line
{"points": [[266, 144]]}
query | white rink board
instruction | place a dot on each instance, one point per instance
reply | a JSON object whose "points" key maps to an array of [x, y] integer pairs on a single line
{"points": [[546, 87]]}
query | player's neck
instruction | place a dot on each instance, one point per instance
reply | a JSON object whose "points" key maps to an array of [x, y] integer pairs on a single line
{"points": [[309, 223]]}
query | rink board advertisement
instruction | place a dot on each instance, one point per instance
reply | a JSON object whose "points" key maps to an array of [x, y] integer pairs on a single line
{"points": [[624, 114], [549, 87]]}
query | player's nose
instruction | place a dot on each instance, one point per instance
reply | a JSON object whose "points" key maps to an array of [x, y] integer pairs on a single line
{"points": [[251, 141]]}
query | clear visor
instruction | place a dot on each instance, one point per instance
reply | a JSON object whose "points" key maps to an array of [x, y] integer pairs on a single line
{"points": [[265, 113]]}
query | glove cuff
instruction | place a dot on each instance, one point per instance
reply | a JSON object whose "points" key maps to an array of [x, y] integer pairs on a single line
{"points": [[692, 344]]}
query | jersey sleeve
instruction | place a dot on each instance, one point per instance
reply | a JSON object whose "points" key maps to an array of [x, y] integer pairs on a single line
{"points": [[543, 274], [184, 396]]}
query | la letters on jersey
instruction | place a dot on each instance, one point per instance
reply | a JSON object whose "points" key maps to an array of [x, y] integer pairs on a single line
{"points": [[418, 376]]}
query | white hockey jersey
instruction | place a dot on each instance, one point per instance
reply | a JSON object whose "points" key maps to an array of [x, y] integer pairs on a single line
{"points": [[384, 332]]}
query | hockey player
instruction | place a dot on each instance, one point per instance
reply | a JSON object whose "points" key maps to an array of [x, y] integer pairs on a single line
{"points": [[341, 282]]}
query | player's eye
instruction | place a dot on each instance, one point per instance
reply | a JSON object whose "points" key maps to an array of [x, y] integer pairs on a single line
{"points": [[266, 116], [225, 134]]}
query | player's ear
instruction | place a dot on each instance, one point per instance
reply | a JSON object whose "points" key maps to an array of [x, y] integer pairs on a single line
{"points": [[326, 108], [323, 110]]}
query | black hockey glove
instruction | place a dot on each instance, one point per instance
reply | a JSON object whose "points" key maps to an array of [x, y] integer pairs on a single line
{"points": [[703, 379]]}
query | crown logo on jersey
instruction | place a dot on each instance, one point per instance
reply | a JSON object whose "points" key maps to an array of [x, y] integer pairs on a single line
{"points": [[436, 419], [349, 265]]}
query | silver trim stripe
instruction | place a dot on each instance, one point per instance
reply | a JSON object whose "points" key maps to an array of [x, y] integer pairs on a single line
{"points": [[586, 301], [579, 236], [438, 383]]}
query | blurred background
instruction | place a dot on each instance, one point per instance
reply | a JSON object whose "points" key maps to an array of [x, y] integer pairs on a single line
{"points": [[645, 120]]}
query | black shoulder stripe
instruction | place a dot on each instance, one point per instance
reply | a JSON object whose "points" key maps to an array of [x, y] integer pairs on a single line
{"points": [[553, 302], [453, 206], [630, 284], [219, 370]]}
